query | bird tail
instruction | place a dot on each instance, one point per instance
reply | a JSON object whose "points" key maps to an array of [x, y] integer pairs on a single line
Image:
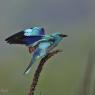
{"points": [[27, 70]]}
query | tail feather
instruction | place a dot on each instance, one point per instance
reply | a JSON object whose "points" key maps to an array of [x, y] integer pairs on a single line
{"points": [[27, 70]]}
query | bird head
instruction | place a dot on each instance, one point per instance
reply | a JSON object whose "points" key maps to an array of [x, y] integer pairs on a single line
{"points": [[58, 36]]}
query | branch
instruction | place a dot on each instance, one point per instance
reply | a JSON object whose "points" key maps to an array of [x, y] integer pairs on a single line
{"points": [[39, 69]]}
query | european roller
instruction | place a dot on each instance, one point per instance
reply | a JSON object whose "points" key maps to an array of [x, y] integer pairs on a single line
{"points": [[38, 42]]}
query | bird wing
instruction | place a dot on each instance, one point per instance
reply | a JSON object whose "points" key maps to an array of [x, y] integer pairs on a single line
{"points": [[26, 37]]}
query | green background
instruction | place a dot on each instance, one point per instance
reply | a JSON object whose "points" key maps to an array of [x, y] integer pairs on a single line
{"points": [[65, 73]]}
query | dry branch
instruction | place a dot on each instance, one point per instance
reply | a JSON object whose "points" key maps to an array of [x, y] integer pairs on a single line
{"points": [[39, 69]]}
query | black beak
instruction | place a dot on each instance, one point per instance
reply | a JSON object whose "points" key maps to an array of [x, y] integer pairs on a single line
{"points": [[62, 35]]}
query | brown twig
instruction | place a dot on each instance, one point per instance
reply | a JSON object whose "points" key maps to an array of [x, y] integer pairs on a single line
{"points": [[39, 69]]}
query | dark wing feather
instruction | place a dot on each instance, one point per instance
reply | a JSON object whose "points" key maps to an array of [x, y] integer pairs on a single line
{"points": [[19, 38], [16, 38], [26, 37]]}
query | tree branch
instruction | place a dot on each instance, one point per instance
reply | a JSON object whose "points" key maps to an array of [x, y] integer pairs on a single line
{"points": [[39, 69]]}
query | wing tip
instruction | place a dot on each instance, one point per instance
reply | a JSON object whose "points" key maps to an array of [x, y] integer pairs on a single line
{"points": [[9, 40]]}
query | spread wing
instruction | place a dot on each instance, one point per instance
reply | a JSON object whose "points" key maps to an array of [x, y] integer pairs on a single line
{"points": [[26, 37]]}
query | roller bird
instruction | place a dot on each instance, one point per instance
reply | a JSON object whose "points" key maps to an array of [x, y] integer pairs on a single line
{"points": [[38, 42]]}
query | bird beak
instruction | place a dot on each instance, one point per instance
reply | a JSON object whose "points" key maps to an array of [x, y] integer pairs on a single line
{"points": [[62, 35]]}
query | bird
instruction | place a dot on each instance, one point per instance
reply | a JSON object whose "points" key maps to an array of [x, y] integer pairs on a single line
{"points": [[38, 42]]}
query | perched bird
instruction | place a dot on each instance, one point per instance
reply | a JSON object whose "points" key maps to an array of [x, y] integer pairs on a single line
{"points": [[37, 41]]}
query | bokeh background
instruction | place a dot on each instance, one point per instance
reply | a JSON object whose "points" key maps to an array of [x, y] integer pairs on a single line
{"points": [[68, 73]]}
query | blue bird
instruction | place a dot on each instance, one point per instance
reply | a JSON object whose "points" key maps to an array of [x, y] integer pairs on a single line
{"points": [[44, 46], [37, 41]]}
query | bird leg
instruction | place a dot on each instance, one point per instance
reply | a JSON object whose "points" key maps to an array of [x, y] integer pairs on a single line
{"points": [[31, 49]]}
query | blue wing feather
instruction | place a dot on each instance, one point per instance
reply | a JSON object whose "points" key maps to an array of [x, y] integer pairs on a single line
{"points": [[26, 37], [31, 39]]}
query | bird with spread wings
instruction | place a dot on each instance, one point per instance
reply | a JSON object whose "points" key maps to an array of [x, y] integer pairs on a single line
{"points": [[38, 42]]}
